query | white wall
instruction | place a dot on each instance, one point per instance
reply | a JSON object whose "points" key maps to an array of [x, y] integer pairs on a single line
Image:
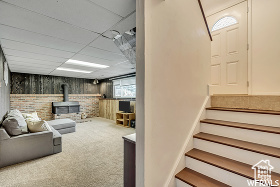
{"points": [[177, 56], [265, 67], [214, 6]]}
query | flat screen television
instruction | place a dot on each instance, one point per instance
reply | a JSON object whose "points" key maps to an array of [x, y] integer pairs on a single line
{"points": [[124, 106]]}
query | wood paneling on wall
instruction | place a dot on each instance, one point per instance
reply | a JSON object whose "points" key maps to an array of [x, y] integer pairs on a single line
{"points": [[109, 107], [47, 84], [4, 90], [106, 87]]}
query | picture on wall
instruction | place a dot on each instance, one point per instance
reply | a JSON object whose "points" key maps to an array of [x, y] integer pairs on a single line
{"points": [[6, 73]]}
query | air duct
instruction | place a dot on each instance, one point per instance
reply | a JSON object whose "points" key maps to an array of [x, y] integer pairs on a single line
{"points": [[127, 44]]}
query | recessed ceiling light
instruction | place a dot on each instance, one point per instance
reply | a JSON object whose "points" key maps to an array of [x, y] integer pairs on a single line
{"points": [[82, 63], [74, 70]]}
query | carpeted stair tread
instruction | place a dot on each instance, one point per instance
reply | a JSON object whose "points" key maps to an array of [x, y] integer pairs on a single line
{"points": [[275, 130], [196, 179], [258, 148]]}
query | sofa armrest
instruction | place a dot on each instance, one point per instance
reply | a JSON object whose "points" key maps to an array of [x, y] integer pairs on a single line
{"points": [[3, 134], [25, 147], [32, 135]]}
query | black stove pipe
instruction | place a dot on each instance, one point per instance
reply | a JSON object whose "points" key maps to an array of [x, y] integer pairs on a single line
{"points": [[65, 92]]}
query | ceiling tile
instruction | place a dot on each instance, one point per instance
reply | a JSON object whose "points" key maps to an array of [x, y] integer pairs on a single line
{"points": [[106, 44], [38, 39], [34, 49], [91, 59], [30, 61], [11, 15], [84, 14], [23, 68], [65, 73], [124, 65], [27, 64], [92, 75], [120, 7], [126, 24], [99, 53], [123, 26], [116, 70], [17, 70], [23, 54]]}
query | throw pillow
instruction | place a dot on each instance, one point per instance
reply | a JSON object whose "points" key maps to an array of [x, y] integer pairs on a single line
{"points": [[12, 127], [18, 116], [15, 124], [33, 116], [38, 126], [3, 118]]}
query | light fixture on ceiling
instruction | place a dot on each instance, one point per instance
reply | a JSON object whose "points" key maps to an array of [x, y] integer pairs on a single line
{"points": [[83, 63], [73, 70], [95, 81]]}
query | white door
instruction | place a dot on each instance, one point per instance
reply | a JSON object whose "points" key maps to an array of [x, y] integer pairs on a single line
{"points": [[229, 65]]}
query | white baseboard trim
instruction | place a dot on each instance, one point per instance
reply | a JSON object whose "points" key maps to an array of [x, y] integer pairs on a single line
{"points": [[188, 143]]}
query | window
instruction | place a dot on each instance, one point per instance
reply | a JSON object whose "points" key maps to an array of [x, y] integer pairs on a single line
{"points": [[125, 88], [224, 22]]}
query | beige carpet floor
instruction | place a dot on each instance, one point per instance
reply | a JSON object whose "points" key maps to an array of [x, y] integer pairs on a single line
{"points": [[92, 156]]}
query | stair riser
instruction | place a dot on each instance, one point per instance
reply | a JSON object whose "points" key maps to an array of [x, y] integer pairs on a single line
{"points": [[180, 183], [243, 117], [240, 155], [216, 173], [257, 137]]}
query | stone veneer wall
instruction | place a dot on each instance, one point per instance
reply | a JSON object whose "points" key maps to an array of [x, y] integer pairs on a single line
{"points": [[42, 104]]}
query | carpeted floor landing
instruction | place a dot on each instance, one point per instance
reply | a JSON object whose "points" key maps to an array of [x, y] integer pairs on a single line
{"points": [[92, 156]]}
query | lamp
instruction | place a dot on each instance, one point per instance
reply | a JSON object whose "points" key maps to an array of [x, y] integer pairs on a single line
{"points": [[95, 81]]}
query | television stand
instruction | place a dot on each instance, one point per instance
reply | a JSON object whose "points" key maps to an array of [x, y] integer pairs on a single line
{"points": [[124, 119]]}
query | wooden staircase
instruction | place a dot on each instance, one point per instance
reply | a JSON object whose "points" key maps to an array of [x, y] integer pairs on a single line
{"points": [[230, 142]]}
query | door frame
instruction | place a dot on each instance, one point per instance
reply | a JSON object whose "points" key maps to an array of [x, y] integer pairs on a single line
{"points": [[249, 34]]}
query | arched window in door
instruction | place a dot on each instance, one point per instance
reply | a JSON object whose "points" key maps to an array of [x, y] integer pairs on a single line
{"points": [[224, 22]]}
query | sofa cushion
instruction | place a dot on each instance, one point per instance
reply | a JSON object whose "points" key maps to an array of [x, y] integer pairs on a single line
{"points": [[56, 137], [3, 134], [67, 130], [62, 123]]}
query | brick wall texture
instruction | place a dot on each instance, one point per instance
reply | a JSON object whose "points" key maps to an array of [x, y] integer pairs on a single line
{"points": [[42, 104]]}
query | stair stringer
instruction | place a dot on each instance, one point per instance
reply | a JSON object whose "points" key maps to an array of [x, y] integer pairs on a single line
{"points": [[188, 145]]}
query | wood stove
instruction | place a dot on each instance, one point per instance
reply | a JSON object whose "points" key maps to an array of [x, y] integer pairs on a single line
{"points": [[65, 107]]}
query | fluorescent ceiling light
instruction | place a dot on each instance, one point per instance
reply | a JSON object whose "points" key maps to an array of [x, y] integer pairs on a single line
{"points": [[74, 70], [89, 64]]}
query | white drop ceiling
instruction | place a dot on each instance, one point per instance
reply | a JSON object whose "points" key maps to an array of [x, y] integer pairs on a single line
{"points": [[38, 36]]}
